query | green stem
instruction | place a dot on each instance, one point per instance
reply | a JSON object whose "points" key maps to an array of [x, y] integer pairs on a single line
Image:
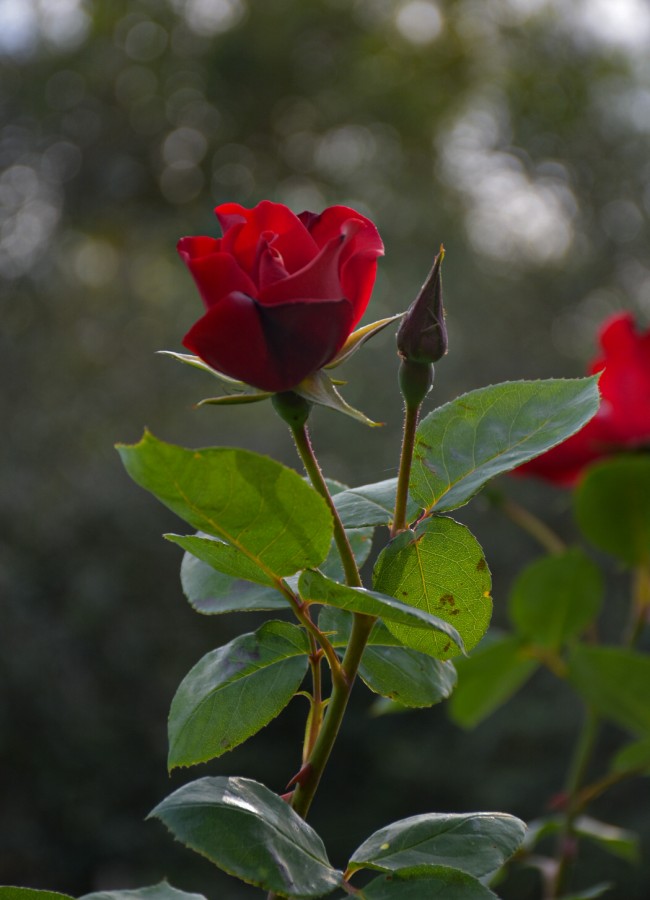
{"points": [[577, 771], [531, 524], [306, 453], [411, 415], [343, 675], [342, 688]]}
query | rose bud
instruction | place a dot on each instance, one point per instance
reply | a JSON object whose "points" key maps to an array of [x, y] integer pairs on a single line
{"points": [[282, 292], [422, 336]]}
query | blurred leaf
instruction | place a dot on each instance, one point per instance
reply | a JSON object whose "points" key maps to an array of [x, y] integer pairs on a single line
{"points": [[476, 843], [633, 756], [439, 567], [556, 597], [213, 593], [316, 588], [247, 830], [426, 881], [612, 504], [264, 510], [162, 891], [597, 890], [235, 691], [371, 504], [488, 678], [615, 682], [617, 841], [465, 443], [391, 670]]}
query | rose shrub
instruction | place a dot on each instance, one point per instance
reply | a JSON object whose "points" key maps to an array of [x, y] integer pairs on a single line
{"points": [[282, 291], [623, 420]]}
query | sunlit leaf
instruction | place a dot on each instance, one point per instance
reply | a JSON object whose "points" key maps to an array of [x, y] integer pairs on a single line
{"points": [[440, 568], [465, 443]]}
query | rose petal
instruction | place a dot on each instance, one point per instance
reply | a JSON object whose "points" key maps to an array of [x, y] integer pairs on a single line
{"points": [[292, 240], [230, 338], [319, 280], [271, 348], [216, 274]]}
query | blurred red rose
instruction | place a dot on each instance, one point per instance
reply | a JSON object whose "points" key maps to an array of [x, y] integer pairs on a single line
{"points": [[623, 420], [282, 291]]}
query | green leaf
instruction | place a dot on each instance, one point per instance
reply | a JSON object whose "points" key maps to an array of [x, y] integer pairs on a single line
{"points": [[465, 443], [162, 891], [612, 504], [223, 557], [439, 567], [556, 597], [488, 678], [615, 681], [213, 593], [371, 504], [235, 691], [429, 882], [476, 843], [23, 893], [247, 830], [413, 679], [316, 588], [263, 509], [635, 756]]}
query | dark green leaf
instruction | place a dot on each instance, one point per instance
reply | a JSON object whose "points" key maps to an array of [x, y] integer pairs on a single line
{"points": [[212, 593], [612, 505], [488, 678], [429, 882], [370, 504], [391, 670], [616, 682], [440, 568], [162, 891], [235, 691], [556, 597], [316, 588], [264, 510], [462, 445], [476, 843], [247, 830]]}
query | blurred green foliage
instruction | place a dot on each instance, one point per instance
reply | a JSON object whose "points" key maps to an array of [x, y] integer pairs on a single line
{"points": [[515, 131]]}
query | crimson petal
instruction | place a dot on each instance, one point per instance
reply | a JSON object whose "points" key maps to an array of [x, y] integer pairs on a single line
{"points": [[216, 274], [271, 348]]}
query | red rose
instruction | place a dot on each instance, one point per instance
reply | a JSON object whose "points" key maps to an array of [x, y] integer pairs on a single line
{"points": [[623, 420], [282, 292]]}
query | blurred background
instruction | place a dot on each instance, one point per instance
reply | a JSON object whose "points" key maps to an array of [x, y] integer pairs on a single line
{"points": [[514, 131]]}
